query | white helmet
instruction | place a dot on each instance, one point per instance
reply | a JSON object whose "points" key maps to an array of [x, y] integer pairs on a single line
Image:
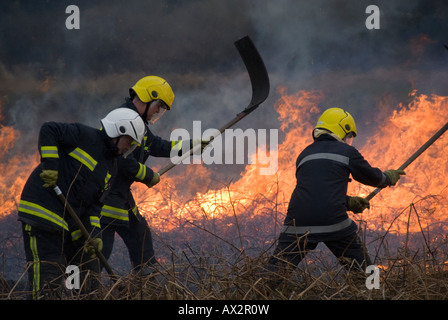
{"points": [[124, 122]]}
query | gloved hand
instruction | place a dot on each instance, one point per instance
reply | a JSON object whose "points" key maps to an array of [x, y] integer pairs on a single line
{"points": [[155, 180], [50, 177], [89, 247], [204, 144], [394, 175], [358, 204]]}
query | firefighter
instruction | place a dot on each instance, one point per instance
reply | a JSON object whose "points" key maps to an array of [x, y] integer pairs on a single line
{"points": [[80, 160], [317, 210], [151, 97]]}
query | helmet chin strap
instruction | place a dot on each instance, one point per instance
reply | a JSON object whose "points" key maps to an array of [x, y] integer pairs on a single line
{"points": [[145, 114]]}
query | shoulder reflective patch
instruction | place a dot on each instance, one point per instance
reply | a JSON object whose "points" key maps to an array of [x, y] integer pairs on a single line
{"points": [[84, 158]]}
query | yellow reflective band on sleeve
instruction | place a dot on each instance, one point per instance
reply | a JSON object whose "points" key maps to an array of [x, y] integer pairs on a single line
{"points": [[141, 174], [106, 181], [76, 235], [49, 152], [41, 212], [95, 221], [177, 144], [84, 158], [115, 213]]}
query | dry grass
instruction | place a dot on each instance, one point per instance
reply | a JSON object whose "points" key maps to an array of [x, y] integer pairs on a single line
{"points": [[216, 265], [212, 276], [205, 277]]}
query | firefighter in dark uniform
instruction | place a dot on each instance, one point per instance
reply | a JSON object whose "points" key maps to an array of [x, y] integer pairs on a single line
{"points": [[317, 210], [151, 96], [80, 160]]}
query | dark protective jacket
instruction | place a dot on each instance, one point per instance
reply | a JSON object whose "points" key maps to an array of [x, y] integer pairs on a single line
{"points": [[119, 200], [323, 172], [84, 158]]}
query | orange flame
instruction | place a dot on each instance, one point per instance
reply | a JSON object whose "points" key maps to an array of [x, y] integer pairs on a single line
{"points": [[14, 171], [264, 198], [406, 130], [398, 136]]}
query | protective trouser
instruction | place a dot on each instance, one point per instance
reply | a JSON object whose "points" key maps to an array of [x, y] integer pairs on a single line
{"points": [[45, 261], [291, 249], [89, 267], [138, 240]]}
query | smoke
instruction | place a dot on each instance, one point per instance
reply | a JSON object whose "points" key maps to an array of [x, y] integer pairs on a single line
{"points": [[326, 46], [48, 72]]}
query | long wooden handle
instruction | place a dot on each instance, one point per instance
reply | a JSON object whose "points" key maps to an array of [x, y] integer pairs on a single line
{"points": [[83, 229], [414, 156]]}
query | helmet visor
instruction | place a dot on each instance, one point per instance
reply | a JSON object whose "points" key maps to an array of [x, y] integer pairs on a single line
{"points": [[130, 150], [161, 107], [349, 138]]}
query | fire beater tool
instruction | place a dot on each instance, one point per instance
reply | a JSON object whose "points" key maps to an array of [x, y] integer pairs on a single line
{"points": [[83, 229], [414, 156], [259, 80]]}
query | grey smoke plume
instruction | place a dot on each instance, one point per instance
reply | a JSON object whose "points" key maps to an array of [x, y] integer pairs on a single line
{"points": [[50, 73]]}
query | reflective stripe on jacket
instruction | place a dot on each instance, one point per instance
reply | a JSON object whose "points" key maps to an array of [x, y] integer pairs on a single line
{"points": [[323, 173], [84, 159], [119, 200], [41, 213]]}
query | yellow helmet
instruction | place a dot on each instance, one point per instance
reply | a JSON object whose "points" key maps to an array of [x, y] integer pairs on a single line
{"points": [[153, 88], [338, 121]]}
